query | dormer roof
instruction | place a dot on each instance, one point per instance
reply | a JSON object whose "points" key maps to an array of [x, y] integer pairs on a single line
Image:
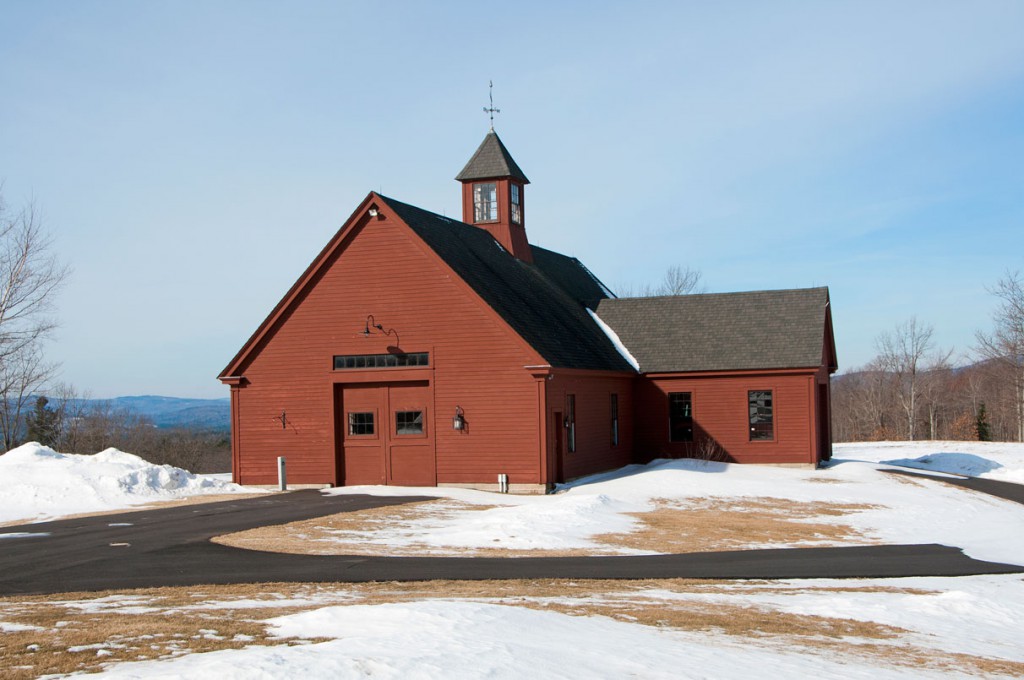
{"points": [[491, 160]]}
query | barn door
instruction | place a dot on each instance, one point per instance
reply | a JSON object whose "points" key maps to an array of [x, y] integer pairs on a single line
{"points": [[363, 435], [558, 430], [410, 440], [385, 435]]}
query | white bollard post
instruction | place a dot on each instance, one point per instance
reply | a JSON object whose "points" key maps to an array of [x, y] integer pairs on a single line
{"points": [[282, 480]]}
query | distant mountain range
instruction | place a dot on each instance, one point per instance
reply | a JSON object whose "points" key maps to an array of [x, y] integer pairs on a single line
{"points": [[206, 414]]}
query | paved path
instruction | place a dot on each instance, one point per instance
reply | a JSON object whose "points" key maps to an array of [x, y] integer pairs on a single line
{"points": [[1007, 490], [171, 547]]}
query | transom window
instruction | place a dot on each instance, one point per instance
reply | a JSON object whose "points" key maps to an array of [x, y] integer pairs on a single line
{"points": [[680, 416], [360, 423], [485, 202], [762, 424], [381, 360], [408, 422], [517, 206]]}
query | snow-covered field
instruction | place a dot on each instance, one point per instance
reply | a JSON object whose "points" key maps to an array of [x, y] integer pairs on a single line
{"points": [[37, 483], [970, 625]]}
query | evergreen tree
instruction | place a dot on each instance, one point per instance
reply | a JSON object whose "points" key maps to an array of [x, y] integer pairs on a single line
{"points": [[42, 423], [981, 427]]}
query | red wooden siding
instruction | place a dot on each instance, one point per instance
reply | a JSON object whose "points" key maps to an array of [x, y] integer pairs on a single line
{"points": [[476, 362], [594, 449], [510, 235], [720, 412]]}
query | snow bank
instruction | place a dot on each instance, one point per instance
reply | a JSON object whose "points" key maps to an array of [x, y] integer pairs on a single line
{"points": [[1003, 461], [39, 483]]}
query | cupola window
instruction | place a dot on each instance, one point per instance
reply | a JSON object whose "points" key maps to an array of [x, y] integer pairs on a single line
{"points": [[517, 206], [485, 202]]}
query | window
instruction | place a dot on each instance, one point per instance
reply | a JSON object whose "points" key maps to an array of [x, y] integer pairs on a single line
{"points": [[408, 422], [485, 202], [570, 421], [680, 417], [615, 419], [381, 360], [360, 423], [761, 422], [517, 206]]}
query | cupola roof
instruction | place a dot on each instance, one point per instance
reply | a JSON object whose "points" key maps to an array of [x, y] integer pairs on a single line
{"points": [[491, 160]]}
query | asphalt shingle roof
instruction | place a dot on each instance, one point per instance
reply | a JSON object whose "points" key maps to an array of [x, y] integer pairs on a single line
{"points": [[769, 329], [491, 160], [529, 297], [571, 275]]}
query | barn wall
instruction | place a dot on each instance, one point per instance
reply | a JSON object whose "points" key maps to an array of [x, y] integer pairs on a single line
{"points": [[475, 362], [720, 415], [594, 449]]}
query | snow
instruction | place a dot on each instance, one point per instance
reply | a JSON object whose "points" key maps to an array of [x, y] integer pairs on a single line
{"points": [[38, 483], [614, 337], [990, 460], [476, 638], [987, 528], [456, 640]]}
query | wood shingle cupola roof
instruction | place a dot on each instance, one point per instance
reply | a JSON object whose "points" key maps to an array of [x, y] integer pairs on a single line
{"points": [[491, 160], [772, 329]]}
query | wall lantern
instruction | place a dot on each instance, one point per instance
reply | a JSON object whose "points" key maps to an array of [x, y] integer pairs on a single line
{"points": [[459, 421]]}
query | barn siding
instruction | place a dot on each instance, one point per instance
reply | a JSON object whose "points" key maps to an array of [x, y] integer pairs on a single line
{"points": [[594, 449], [476, 363], [720, 412]]}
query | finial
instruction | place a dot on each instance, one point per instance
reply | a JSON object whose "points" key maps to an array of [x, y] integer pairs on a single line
{"points": [[491, 110]]}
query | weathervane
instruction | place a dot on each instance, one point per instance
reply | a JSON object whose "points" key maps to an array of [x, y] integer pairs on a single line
{"points": [[491, 110]]}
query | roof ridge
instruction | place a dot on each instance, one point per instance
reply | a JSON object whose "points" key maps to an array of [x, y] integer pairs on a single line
{"points": [[723, 294]]}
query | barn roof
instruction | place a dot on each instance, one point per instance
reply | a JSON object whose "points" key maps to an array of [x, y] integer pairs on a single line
{"points": [[543, 302], [491, 160], [771, 329]]}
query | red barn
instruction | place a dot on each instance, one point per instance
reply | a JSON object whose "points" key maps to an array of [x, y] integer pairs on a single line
{"points": [[420, 350]]}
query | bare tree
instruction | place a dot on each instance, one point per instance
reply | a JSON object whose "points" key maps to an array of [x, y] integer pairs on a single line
{"points": [[681, 281], [901, 353], [677, 281], [21, 375], [30, 274], [1004, 346], [937, 391]]}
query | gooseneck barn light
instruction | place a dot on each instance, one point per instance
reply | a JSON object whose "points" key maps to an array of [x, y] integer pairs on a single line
{"points": [[373, 328]]}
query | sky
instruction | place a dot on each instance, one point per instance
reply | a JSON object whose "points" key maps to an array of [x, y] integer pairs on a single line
{"points": [[191, 158]]}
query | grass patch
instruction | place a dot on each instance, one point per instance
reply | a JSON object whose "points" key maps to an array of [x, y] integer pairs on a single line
{"points": [[731, 524]]}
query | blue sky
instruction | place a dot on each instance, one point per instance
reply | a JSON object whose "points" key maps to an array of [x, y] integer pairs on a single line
{"points": [[191, 158]]}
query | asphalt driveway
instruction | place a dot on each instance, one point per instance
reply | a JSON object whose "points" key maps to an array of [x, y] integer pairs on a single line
{"points": [[171, 547]]}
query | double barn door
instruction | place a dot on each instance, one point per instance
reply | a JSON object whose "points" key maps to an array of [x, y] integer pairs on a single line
{"points": [[385, 434]]}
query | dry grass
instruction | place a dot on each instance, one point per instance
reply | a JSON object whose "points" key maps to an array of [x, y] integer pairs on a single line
{"points": [[701, 525], [723, 524], [167, 622]]}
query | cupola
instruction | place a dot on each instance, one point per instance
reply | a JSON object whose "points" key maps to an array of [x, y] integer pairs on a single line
{"points": [[492, 196]]}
